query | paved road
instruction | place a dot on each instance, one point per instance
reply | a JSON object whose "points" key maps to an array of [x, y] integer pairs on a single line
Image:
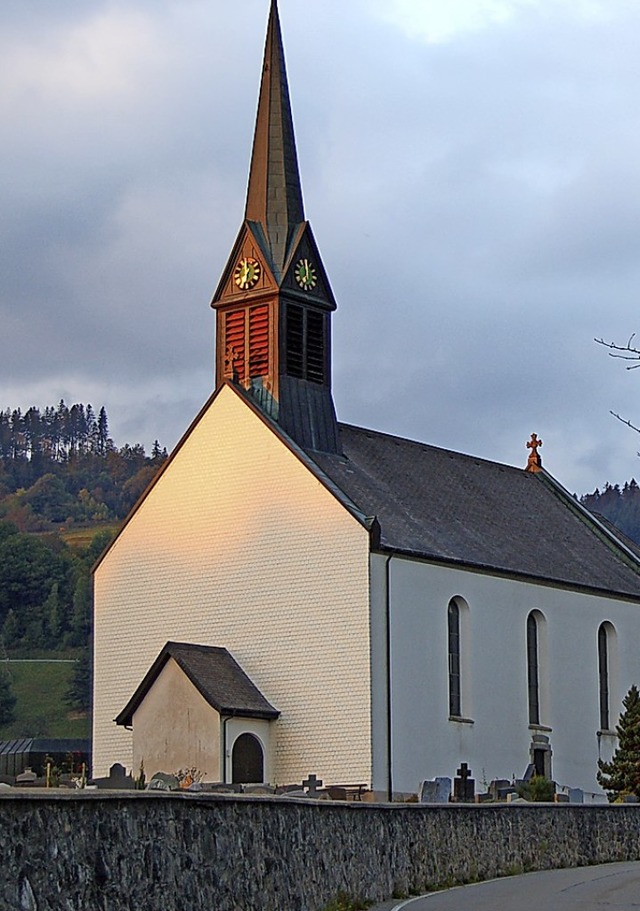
{"points": [[614, 887]]}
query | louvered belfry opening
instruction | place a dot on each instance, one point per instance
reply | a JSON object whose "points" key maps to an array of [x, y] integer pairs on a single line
{"points": [[234, 335], [258, 341], [247, 361], [316, 349], [295, 341], [305, 344]]}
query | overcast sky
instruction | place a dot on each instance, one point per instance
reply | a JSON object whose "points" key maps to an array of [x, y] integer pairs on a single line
{"points": [[471, 170]]}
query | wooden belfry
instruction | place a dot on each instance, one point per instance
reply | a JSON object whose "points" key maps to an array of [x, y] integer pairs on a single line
{"points": [[274, 301]]}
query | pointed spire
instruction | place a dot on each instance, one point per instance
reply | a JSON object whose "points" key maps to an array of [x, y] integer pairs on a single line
{"points": [[274, 195]]}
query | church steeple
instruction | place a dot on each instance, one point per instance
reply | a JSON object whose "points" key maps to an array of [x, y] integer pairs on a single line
{"points": [[274, 300], [274, 194]]}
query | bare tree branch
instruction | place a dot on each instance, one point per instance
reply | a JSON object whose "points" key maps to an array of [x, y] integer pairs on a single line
{"points": [[629, 353], [624, 421]]}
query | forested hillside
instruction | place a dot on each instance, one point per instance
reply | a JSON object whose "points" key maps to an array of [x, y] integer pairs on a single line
{"points": [[60, 467], [619, 506], [64, 489]]}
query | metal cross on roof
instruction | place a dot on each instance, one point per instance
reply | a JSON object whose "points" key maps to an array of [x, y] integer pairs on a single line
{"points": [[534, 462]]}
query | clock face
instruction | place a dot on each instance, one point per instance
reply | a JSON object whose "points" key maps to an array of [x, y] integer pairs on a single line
{"points": [[247, 273], [306, 275]]}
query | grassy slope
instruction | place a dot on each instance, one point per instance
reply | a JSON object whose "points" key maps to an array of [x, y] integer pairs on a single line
{"points": [[41, 710], [80, 537]]}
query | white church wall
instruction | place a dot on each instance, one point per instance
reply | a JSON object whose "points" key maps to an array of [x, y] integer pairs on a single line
{"points": [[238, 545], [495, 736]]}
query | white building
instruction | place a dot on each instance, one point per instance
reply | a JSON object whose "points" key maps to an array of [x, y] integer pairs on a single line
{"points": [[398, 609]]}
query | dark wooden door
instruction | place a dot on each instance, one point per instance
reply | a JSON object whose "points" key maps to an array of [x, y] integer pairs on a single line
{"points": [[247, 761]]}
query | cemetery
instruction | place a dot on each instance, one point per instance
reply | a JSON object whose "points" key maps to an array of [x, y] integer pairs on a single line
{"points": [[32, 763]]}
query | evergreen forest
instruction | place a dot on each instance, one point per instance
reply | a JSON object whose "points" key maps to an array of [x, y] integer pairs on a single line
{"points": [[621, 506]]}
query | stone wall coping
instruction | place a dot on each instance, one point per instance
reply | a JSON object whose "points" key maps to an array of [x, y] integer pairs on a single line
{"points": [[106, 795]]}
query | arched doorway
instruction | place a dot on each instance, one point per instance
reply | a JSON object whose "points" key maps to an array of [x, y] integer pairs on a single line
{"points": [[247, 760]]}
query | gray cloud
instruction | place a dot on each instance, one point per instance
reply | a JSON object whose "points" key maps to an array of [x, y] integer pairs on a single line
{"points": [[476, 203]]}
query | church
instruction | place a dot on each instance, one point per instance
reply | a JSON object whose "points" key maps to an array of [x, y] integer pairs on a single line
{"points": [[293, 595]]}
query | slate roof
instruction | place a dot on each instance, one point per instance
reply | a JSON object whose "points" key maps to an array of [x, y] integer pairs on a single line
{"points": [[274, 194], [452, 508], [216, 675]]}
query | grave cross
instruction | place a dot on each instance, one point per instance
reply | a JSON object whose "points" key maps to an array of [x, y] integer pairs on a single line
{"points": [[464, 786], [312, 784]]}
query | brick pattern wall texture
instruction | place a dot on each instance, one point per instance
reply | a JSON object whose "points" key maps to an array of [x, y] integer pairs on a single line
{"points": [[238, 545], [167, 852]]}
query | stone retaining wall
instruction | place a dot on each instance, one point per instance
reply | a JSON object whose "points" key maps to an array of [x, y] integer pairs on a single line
{"points": [[91, 851]]}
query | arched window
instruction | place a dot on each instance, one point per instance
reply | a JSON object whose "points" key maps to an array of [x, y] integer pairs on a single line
{"points": [[247, 760], [606, 672], [533, 669], [453, 629]]}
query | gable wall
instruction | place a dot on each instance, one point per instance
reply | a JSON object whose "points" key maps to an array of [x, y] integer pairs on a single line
{"points": [[238, 545], [494, 676], [176, 728]]}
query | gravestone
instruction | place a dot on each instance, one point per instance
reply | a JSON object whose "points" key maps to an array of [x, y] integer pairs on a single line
{"points": [[26, 778], [500, 788], [163, 781], [427, 792], [287, 788], [312, 784], [118, 779], [264, 789], [464, 786], [576, 795], [436, 791]]}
